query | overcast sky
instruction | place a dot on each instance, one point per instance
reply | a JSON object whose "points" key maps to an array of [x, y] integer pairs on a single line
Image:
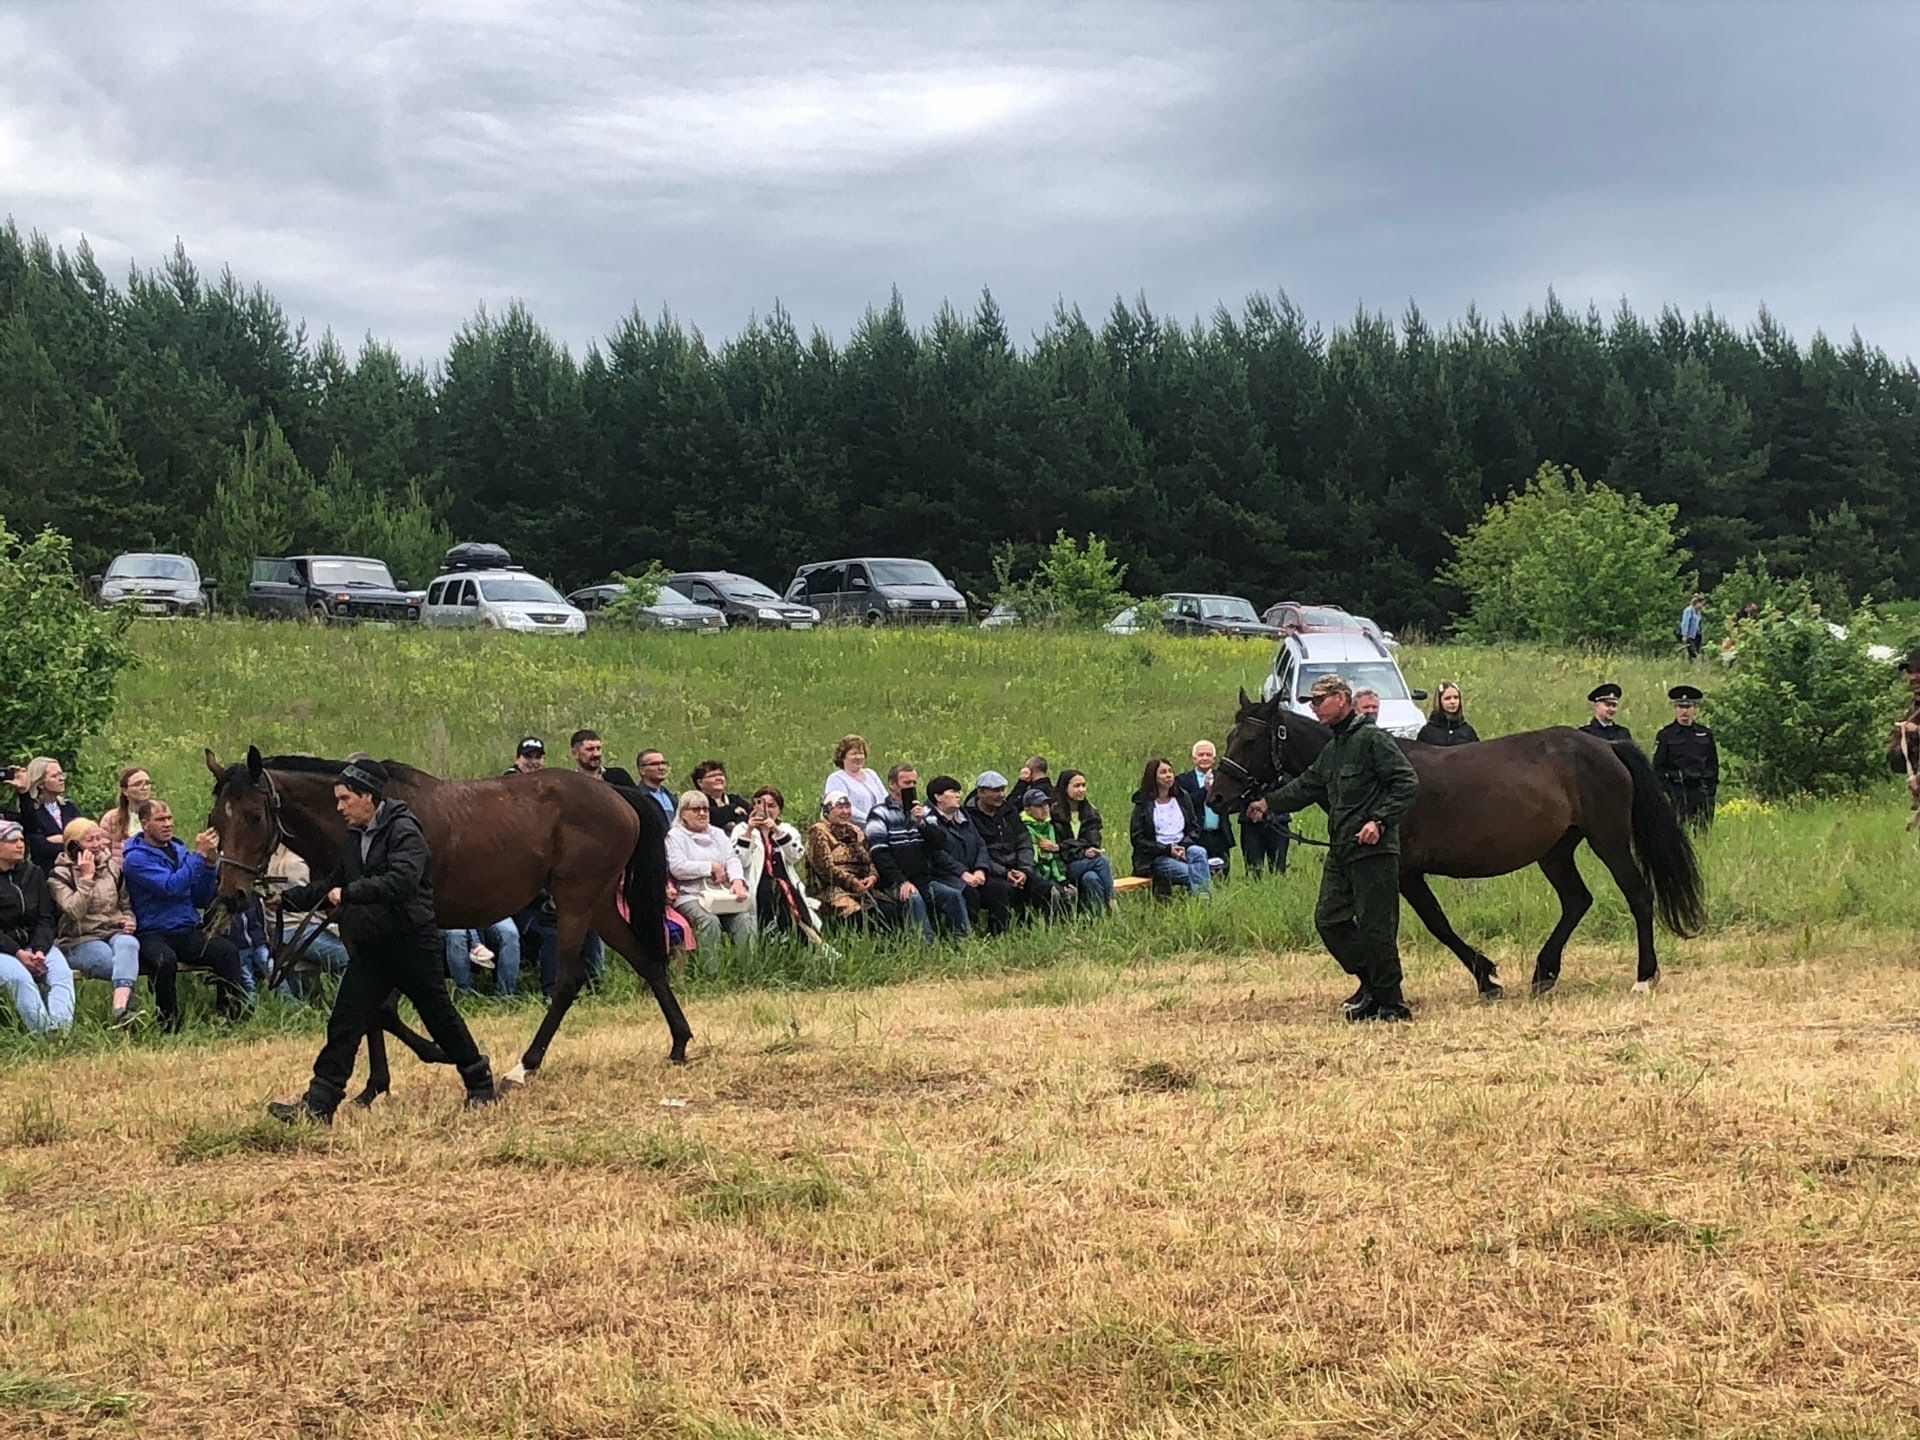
{"points": [[387, 174]]}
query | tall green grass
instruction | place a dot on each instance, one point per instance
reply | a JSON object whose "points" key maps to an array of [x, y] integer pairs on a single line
{"points": [[773, 704]]}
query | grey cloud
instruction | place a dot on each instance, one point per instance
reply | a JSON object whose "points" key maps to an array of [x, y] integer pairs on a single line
{"points": [[386, 174]]}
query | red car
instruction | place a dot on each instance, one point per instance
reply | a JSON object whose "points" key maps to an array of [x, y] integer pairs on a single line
{"points": [[1296, 617]]}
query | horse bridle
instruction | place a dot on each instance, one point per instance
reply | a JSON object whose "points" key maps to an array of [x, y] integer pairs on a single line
{"points": [[1276, 739], [222, 860]]}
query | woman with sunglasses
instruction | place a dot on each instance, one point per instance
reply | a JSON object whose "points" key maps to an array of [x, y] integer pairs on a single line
{"points": [[1448, 723]]}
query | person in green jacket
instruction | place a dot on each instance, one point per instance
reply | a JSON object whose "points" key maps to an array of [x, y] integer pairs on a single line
{"points": [[1366, 784], [1049, 894]]}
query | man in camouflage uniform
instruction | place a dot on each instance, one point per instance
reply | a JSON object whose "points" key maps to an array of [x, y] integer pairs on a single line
{"points": [[1903, 755], [1366, 784], [1687, 759]]}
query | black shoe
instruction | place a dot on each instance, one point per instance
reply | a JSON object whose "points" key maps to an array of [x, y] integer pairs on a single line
{"points": [[1355, 1000], [1374, 1008], [479, 1098], [291, 1112]]}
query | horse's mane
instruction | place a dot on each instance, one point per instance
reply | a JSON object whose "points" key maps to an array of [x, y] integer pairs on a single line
{"points": [[317, 765]]}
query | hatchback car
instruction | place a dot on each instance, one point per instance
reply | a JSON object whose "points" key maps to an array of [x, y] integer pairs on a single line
{"points": [[1199, 615], [670, 610], [1362, 660], [743, 600], [150, 584], [500, 600], [878, 591]]}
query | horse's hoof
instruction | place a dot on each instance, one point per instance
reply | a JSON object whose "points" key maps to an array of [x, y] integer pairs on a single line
{"points": [[364, 1100], [1543, 983], [1645, 987], [1493, 990], [513, 1078]]}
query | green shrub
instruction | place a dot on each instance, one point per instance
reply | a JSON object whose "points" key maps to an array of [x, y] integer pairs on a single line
{"points": [[637, 592], [1805, 711], [64, 654], [1569, 563], [1072, 585]]}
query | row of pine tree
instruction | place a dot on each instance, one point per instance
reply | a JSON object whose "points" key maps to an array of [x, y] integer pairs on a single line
{"points": [[1253, 452]]}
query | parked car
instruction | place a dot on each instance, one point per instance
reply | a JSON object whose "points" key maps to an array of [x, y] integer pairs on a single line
{"points": [[1001, 617], [154, 584], [1386, 636], [743, 600], [670, 610], [1295, 617], [1199, 615], [327, 588], [1365, 663], [508, 599], [876, 590]]}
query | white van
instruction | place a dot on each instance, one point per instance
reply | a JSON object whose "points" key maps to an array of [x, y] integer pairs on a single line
{"points": [[1362, 660], [499, 600]]}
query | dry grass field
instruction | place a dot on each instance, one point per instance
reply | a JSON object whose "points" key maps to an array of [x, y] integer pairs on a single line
{"points": [[1171, 1199]]}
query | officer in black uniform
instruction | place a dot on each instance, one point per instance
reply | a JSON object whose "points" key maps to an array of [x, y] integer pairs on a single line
{"points": [[1605, 700], [1687, 759], [382, 889]]}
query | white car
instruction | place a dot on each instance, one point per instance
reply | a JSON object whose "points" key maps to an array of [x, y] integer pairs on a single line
{"points": [[499, 600], [1362, 660]]}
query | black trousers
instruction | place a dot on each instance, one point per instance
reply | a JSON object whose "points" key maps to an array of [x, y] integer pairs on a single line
{"points": [[1265, 843], [416, 967], [994, 900], [163, 952]]}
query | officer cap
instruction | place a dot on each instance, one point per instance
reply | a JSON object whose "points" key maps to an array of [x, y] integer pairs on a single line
{"points": [[1608, 691], [1685, 695]]}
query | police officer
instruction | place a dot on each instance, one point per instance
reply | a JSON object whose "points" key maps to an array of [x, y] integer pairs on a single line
{"points": [[1366, 784], [1605, 700], [1903, 754], [382, 891], [1687, 759]]}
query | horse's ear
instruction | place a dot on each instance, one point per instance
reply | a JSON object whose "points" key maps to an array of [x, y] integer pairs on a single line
{"points": [[256, 767], [1245, 703], [213, 763]]}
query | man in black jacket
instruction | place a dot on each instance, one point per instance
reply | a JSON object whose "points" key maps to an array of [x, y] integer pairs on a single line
{"points": [[1009, 847], [382, 890], [960, 865], [590, 758], [902, 839]]}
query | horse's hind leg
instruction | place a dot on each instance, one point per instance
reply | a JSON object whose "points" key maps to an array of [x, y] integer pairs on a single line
{"points": [[1614, 845], [1575, 900], [423, 1048], [650, 964], [1419, 894], [379, 1075], [570, 932]]}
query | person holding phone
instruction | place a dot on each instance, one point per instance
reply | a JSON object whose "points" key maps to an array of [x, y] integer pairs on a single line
{"points": [[32, 969], [45, 811], [902, 839], [771, 855], [96, 921]]}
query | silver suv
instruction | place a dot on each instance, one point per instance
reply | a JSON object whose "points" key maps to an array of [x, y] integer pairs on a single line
{"points": [[500, 600], [1362, 660]]}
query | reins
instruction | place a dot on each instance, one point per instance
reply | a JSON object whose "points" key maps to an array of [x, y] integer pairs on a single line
{"points": [[1276, 739], [288, 955]]}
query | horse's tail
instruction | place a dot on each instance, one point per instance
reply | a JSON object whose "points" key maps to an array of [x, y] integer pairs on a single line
{"points": [[645, 880], [1664, 852]]}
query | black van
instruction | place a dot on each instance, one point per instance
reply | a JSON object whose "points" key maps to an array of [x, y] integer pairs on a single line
{"points": [[878, 590]]}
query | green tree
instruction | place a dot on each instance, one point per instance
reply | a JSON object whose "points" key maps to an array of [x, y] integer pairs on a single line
{"points": [[1804, 710], [73, 650], [1567, 562], [258, 509]]}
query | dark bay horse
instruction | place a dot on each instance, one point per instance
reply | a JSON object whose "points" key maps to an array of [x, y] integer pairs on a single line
{"points": [[1499, 806], [496, 845]]}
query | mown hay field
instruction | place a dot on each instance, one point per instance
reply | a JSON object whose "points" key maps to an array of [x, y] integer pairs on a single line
{"points": [[1120, 1182]]}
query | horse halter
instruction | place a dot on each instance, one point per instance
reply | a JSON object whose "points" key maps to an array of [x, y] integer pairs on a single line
{"points": [[222, 860], [1276, 738]]}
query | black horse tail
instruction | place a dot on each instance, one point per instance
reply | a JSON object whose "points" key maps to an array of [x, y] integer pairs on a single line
{"points": [[645, 880], [1664, 852]]}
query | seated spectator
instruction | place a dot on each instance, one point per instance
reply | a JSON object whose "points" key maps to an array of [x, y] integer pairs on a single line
{"points": [[1008, 845], [32, 969], [771, 855], [136, 786], [1047, 891], [495, 947], [863, 788], [960, 866], [1035, 772], [900, 837], [168, 885], [530, 757], [680, 934], [1447, 725], [45, 811], [1166, 833], [727, 812], [1216, 830], [325, 952], [713, 887], [653, 780], [248, 932], [1082, 836], [840, 869], [96, 926], [1265, 837]]}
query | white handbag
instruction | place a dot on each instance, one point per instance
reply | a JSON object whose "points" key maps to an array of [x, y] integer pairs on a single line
{"points": [[720, 900]]}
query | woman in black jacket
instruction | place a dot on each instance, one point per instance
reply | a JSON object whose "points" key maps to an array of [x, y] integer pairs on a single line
{"points": [[1448, 723], [1082, 842], [1166, 833]]}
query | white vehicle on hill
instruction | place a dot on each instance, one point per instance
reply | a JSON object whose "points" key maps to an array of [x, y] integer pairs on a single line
{"points": [[1362, 660]]}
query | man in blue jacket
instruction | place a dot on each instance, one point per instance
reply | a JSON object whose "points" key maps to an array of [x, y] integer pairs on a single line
{"points": [[168, 886]]}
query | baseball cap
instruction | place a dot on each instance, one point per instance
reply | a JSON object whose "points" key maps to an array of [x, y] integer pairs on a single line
{"points": [[1036, 796], [1329, 685], [532, 745]]}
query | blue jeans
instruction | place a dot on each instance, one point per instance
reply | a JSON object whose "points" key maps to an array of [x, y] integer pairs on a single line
{"points": [[256, 964], [55, 1011], [1095, 879], [950, 904], [1192, 872], [116, 958], [500, 938], [913, 911]]}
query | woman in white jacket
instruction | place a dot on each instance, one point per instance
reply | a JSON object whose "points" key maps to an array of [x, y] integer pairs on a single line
{"points": [[772, 854], [703, 863]]}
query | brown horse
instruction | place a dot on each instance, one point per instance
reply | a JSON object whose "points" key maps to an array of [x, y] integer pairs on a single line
{"points": [[496, 845], [1499, 806]]}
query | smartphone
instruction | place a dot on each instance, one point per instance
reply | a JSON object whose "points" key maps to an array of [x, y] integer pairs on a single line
{"points": [[73, 849], [909, 797]]}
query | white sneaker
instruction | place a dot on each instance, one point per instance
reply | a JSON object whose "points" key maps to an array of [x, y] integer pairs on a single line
{"points": [[480, 955]]}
